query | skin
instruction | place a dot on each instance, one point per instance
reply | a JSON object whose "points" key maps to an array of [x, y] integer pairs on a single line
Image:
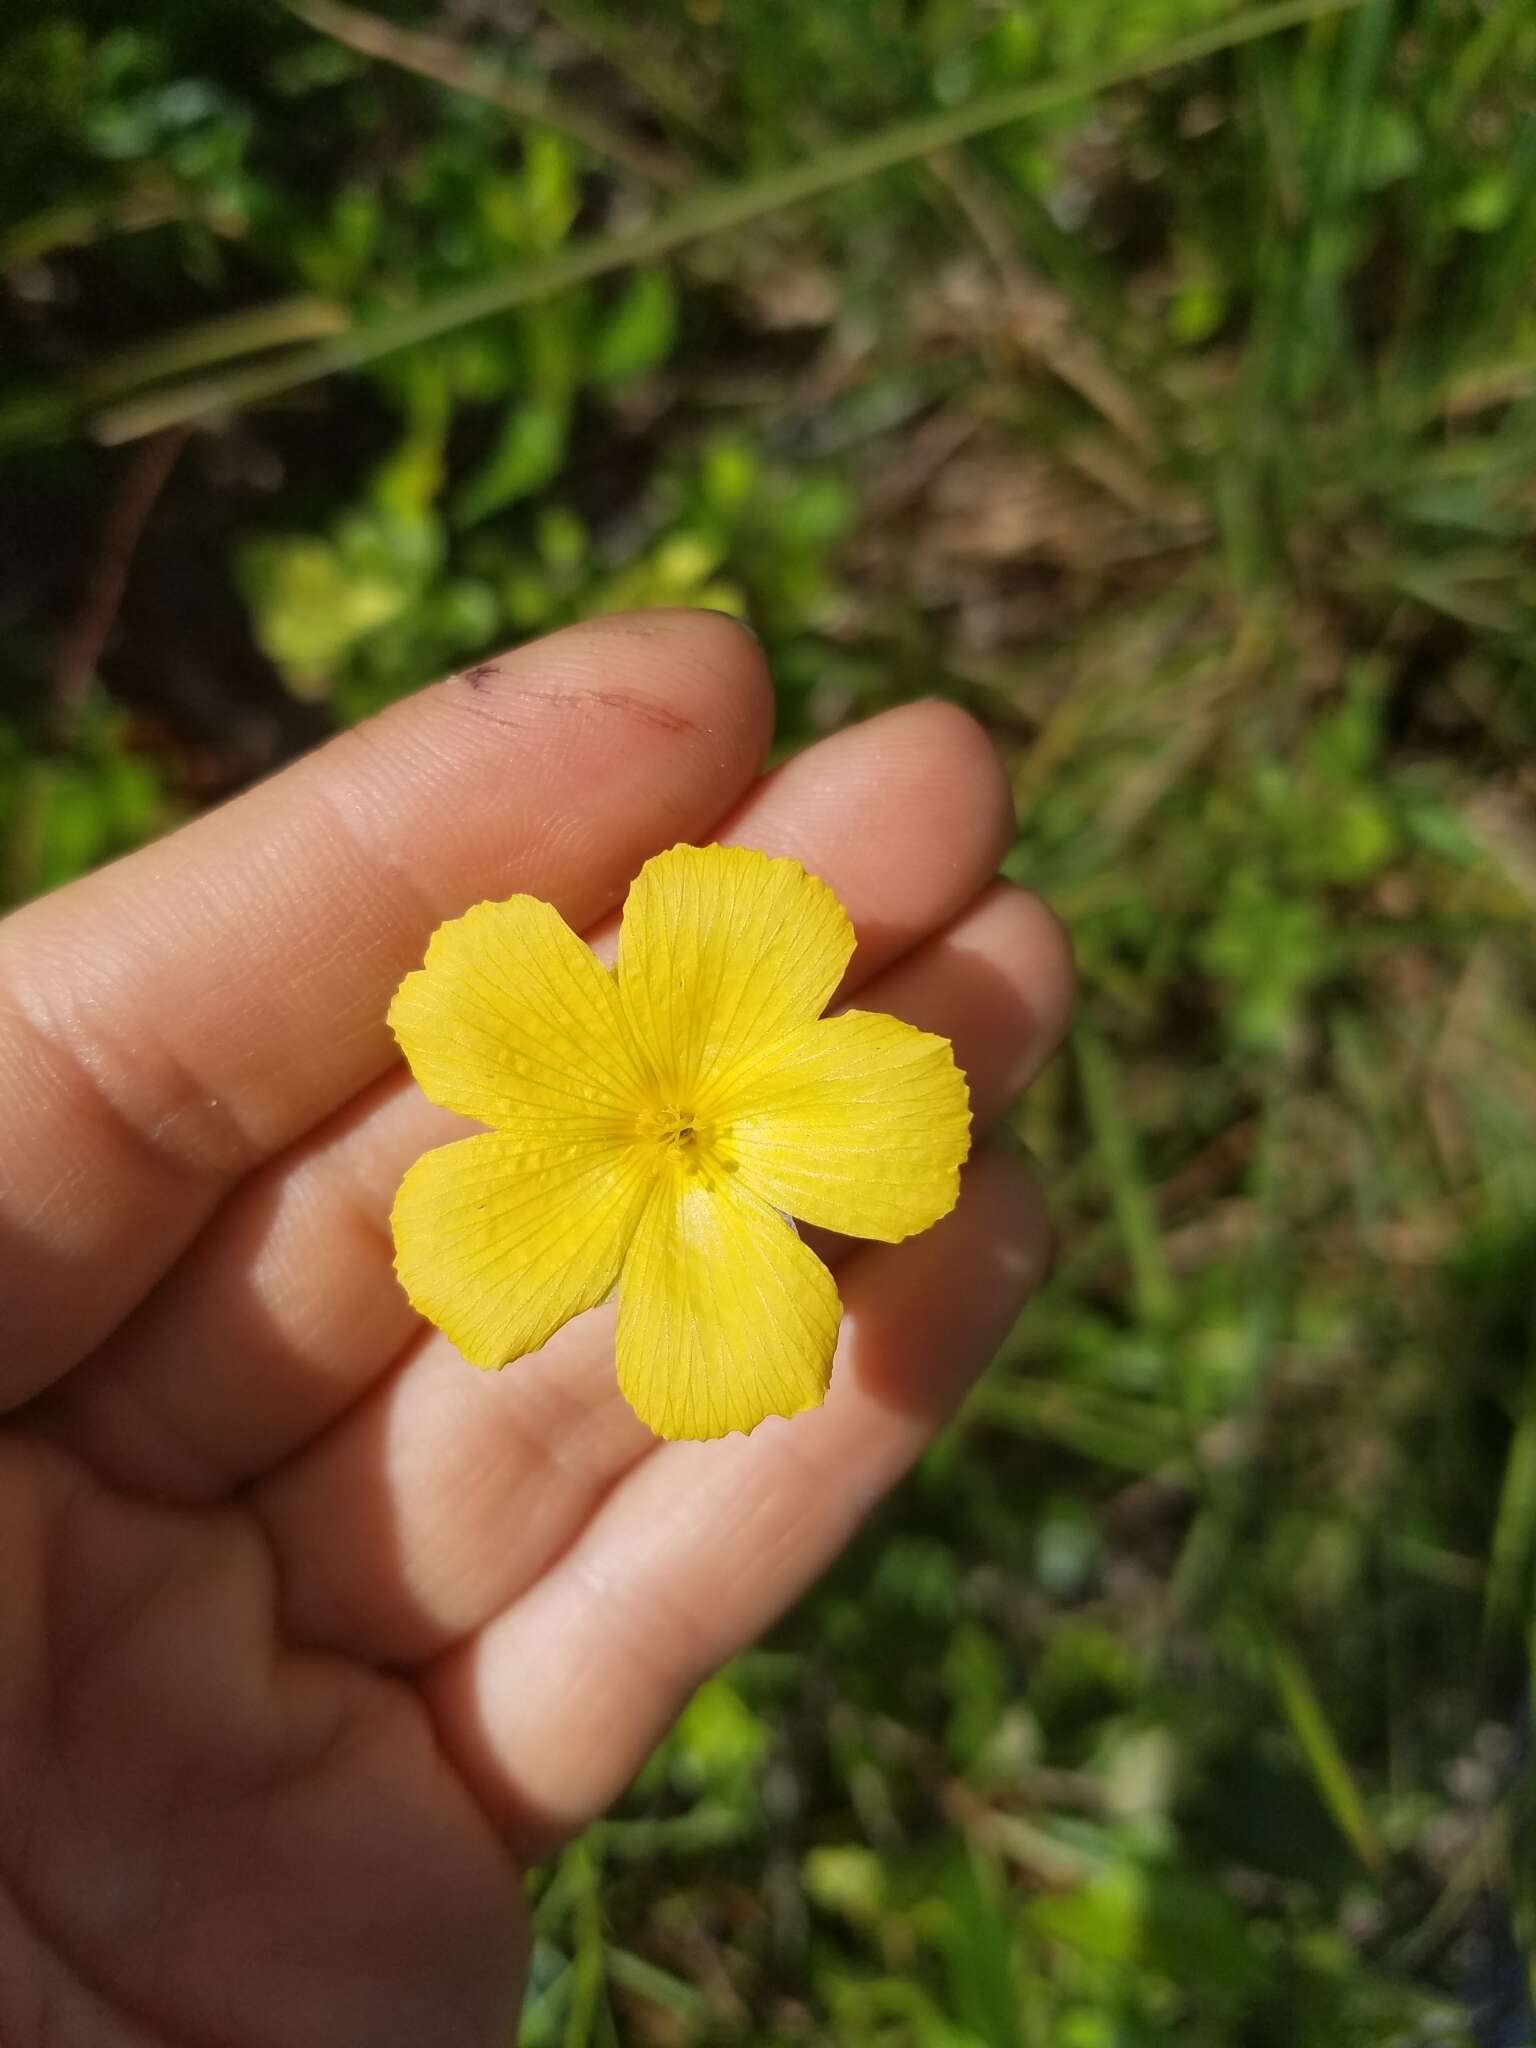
{"points": [[311, 1638]]}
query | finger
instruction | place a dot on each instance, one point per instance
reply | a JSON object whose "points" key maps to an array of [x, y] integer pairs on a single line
{"points": [[169, 1022], [549, 1711], [449, 1491], [288, 1308]]}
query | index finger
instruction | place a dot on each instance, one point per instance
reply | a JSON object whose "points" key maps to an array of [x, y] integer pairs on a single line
{"points": [[171, 1021]]}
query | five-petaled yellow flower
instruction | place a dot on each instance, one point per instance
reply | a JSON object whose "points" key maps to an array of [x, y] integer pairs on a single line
{"points": [[654, 1126]]}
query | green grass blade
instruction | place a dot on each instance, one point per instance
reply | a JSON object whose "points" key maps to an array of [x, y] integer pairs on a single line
{"points": [[1152, 1282], [627, 47], [1125, 1434], [979, 1937], [647, 1980], [1325, 1759], [1507, 1596], [718, 211]]}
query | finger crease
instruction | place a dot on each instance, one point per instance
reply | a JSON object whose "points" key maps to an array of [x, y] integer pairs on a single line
{"points": [[193, 1134]]}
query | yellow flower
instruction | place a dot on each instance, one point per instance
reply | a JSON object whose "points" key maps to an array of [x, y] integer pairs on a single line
{"points": [[654, 1126]]}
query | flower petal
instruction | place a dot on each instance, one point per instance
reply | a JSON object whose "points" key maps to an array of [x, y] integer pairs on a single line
{"points": [[499, 1245], [514, 1021], [858, 1123], [720, 948], [725, 1317]]}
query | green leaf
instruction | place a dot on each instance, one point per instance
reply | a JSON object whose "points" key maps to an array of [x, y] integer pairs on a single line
{"points": [[528, 454], [639, 332], [978, 1943], [309, 607], [846, 1880], [720, 1741]]}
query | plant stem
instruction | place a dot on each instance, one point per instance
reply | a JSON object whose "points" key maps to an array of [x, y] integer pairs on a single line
{"points": [[628, 51], [714, 212], [305, 318], [436, 58]]}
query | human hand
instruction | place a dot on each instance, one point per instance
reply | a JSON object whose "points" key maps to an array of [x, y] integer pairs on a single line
{"points": [[311, 1638]]}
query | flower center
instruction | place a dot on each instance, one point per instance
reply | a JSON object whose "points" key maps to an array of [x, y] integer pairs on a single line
{"points": [[691, 1146]]}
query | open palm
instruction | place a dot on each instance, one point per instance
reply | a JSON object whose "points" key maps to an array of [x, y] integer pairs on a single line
{"points": [[310, 1637]]}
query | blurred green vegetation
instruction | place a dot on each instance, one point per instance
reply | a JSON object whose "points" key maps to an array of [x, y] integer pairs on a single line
{"points": [[1185, 432]]}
